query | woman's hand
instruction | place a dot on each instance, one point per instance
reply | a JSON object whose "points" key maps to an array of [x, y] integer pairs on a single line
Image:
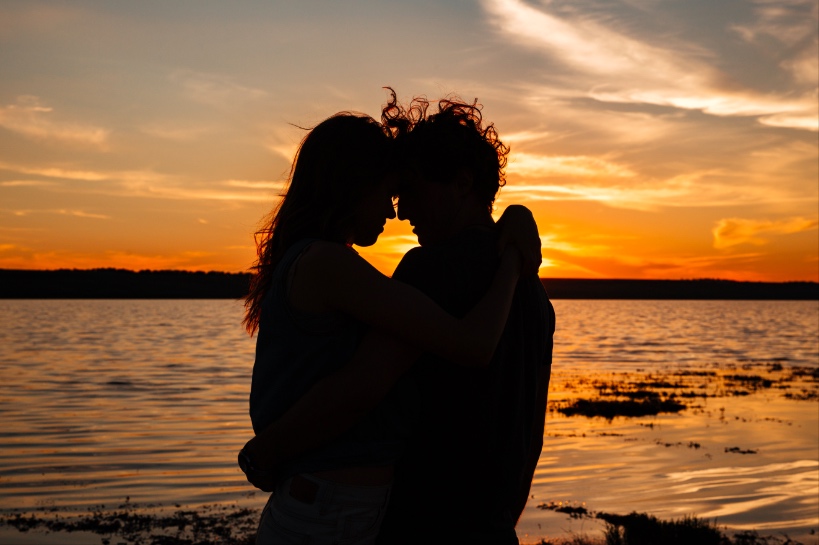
{"points": [[259, 475], [519, 230]]}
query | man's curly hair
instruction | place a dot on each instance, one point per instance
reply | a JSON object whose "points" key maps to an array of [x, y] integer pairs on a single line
{"points": [[440, 145]]}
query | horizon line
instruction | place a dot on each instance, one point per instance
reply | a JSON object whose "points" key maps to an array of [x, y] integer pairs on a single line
{"points": [[188, 271]]}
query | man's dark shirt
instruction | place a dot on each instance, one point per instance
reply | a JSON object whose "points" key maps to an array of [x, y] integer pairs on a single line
{"points": [[468, 467]]}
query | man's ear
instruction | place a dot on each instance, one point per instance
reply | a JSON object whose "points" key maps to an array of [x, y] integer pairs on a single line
{"points": [[464, 182]]}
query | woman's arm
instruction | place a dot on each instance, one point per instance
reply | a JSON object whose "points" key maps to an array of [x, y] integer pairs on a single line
{"points": [[345, 282], [331, 406]]}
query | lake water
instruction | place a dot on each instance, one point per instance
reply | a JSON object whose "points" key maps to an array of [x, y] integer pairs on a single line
{"points": [[103, 400]]}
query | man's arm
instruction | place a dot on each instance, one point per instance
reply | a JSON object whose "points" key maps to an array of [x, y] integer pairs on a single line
{"points": [[333, 405], [535, 443]]}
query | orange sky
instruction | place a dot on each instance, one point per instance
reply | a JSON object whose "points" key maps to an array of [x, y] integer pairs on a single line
{"points": [[651, 140]]}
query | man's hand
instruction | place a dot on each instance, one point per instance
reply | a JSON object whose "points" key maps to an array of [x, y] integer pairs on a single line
{"points": [[264, 479], [519, 230]]}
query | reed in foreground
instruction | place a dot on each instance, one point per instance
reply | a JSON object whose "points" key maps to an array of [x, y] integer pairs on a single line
{"points": [[134, 524], [645, 529]]}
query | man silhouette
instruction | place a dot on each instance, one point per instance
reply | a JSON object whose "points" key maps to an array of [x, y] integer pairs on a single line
{"points": [[468, 465], [476, 433]]}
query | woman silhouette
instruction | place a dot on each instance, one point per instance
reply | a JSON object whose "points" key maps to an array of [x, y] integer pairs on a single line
{"points": [[311, 299]]}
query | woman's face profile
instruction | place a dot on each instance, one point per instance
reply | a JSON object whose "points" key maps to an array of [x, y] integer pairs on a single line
{"points": [[373, 211]]}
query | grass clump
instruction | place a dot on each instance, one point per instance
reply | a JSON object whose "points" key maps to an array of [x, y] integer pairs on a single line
{"points": [[644, 529], [648, 406]]}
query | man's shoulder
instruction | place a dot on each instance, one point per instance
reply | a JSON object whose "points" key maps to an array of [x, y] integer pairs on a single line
{"points": [[413, 265], [465, 250], [454, 273]]}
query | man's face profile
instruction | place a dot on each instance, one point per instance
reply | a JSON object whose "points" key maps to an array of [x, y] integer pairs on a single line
{"points": [[428, 206]]}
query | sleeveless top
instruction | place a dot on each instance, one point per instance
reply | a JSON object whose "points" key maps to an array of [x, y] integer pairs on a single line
{"points": [[294, 350]]}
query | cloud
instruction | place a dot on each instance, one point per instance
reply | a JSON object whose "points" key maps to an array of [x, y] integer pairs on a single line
{"points": [[31, 119], [744, 266], [698, 189], [806, 122], [255, 184], [733, 231], [619, 68], [62, 212], [790, 22], [682, 190], [214, 89], [26, 183], [553, 242], [178, 133], [19, 257], [148, 183], [529, 165], [55, 172], [581, 43]]}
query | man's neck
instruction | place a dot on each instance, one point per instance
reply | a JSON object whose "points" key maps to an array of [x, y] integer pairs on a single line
{"points": [[470, 217]]}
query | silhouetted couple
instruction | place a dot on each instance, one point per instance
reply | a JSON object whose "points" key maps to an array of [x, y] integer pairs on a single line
{"points": [[407, 409]]}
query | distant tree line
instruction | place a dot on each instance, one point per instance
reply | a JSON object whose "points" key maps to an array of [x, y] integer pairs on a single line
{"points": [[121, 284], [125, 284], [576, 288]]}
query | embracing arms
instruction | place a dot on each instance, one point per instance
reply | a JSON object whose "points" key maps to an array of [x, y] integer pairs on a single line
{"points": [[335, 279], [335, 403], [346, 283], [331, 407]]}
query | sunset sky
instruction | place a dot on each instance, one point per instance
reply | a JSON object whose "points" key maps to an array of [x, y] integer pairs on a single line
{"points": [[651, 138]]}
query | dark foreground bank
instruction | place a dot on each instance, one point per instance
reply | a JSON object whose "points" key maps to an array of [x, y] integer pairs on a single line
{"points": [[128, 524], [125, 284]]}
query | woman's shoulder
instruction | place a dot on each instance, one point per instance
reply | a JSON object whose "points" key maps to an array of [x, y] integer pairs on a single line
{"points": [[325, 260], [325, 251]]}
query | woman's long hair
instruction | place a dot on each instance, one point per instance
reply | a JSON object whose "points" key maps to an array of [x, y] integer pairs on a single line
{"points": [[336, 163]]}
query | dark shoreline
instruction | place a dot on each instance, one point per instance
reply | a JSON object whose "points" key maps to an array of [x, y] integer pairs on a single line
{"points": [[146, 284], [131, 524]]}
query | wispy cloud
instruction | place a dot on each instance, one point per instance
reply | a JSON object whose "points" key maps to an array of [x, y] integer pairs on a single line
{"points": [[582, 42], [553, 242], [155, 185], [62, 212], [215, 89], [178, 133], [253, 184], [55, 172], [733, 231], [27, 183], [29, 117], [791, 22], [529, 165], [738, 266], [620, 68], [149, 183], [683, 190], [20, 257]]}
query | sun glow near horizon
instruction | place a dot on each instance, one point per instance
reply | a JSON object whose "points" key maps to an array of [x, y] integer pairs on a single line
{"points": [[650, 140]]}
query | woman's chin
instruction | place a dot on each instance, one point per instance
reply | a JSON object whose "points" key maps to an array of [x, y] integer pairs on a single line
{"points": [[367, 241]]}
